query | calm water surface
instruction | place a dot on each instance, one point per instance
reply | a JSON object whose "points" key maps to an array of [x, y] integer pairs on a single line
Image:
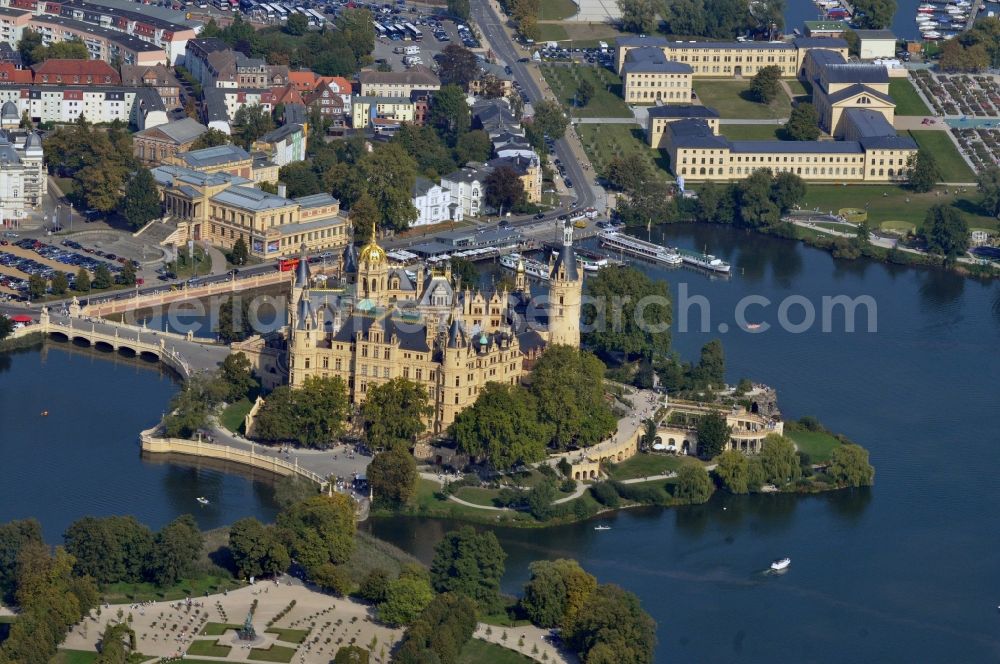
{"points": [[904, 572]]}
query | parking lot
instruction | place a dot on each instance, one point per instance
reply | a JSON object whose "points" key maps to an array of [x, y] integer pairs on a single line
{"points": [[393, 51]]}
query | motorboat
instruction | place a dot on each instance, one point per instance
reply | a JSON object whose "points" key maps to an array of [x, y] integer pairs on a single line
{"points": [[753, 326], [602, 527], [780, 564], [932, 35], [202, 500], [926, 9]]}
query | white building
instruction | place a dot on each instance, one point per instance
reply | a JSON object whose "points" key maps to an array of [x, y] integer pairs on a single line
{"points": [[63, 103], [284, 145], [433, 203], [22, 175], [877, 44], [466, 190]]}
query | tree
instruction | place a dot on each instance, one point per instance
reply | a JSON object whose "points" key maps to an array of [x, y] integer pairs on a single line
{"points": [[293, 489], [504, 189], [6, 327], [210, 139], [629, 172], [234, 322], [568, 385], [449, 113], [356, 28], [112, 549], [550, 119], [470, 564], [351, 655], [81, 283], [257, 549], [627, 312], [874, 14], [364, 215], [394, 413], [713, 434], [464, 274], [439, 633], [405, 598], [127, 277], [473, 146], [502, 427], [459, 9], [388, 174], [392, 476], [59, 283], [612, 621], [189, 408], [299, 177], [312, 415], [733, 470], [945, 231], [693, 485], [584, 92], [849, 466], [175, 550], [779, 460], [37, 286], [297, 24], [30, 40], [240, 252], [250, 123], [711, 367], [491, 86], [766, 84], [923, 171], [141, 203], [457, 66], [803, 123], [787, 190], [638, 16], [988, 183], [236, 374], [319, 530], [375, 586], [429, 150], [755, 206], [556, 592], [853, 43]]}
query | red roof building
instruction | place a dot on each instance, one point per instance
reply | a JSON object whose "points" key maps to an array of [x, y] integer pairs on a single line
{"points": [[9, 73], [76, 72]]}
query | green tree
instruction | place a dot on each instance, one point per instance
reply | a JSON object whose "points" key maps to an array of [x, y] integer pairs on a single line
{"points": [[504, 189], [392, 475], [629, 173], [405, 598], [236, 373], [853, 43], [210, 139], [37, 286], [355, 27], [299, 178], [127, 277], [30, 40], [375, 586], [550, 119], [473, 146], [874, 14], [319, 530], [945, 231], [989, 188], [923, 171], [297, 25], [803, 123], [234, 322], [250, 123], [364, 214], [189, 408], [394, 413], [439, 633], [6, 327], [754, 202], [693, 484], [779, 460], [14, 536], [449, 114], [849, 466], [766, 84], [638, 16], [312, 415], [630, 313], [240, 252], [351, 655], [464, 274], [503, 427], [787, 191], [423, 144], [711, 369], [141, 203], [612, 621], [176, 548], [257, 549], [457, 66], [470, 564], [713, 434], [733, 470], [556, 592], [569, 387], [459, 9], [117, 643], [102, 277], [81, 284], [111, 549], [585, 91], [388, 174], [59, 283]]}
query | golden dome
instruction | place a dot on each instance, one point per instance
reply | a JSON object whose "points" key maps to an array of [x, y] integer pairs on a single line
{"points": [[371, 253]]}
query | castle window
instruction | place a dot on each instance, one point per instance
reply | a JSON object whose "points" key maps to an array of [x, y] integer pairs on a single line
{"points": [[406, 372], [307, 363], [337, 365], [387, 353], [420, 374], [326, 363], [385, 372]]}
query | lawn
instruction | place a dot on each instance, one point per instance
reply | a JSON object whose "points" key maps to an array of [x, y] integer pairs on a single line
{"points": [[893, 203], [953, 168], [578, 34], [817, 444], [289, 635], [905, 96], [643, 465], [604, 142], [185, 268], [208, 648], [217, 629], [88, 656], [607, 100], [800, 91], [730, 99], [428, 503], [234, 415], [141, 592], [895, 226], [477, 495], [556, 10], [740, 132], [272, 654], [481, 652], [552, 32]]}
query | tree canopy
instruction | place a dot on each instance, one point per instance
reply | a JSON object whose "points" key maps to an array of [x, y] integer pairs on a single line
{"points": [[257, 549], [556, 592], [470, 564], [503, 427], [637, 16], [312, 415], [849, 466], [611, 626], [874, 14], [457, 65], [803, 123], [569, 387], [945, 231], [989, 189], [923, 171], [141, 203], [319, 530], [627, 312], [394, 413], [504, 189], [766, 84], [392, 475], [713, 434]]}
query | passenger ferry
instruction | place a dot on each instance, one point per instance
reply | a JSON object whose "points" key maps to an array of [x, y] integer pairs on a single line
{"points": [[636, 247], [532, 268], [704, 261]]}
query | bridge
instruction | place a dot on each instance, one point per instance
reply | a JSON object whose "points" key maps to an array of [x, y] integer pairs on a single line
{"points": [[126, 302], [185, 354]]}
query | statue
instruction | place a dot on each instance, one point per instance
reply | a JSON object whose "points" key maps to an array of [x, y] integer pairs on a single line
{"points": [[247, 632]]}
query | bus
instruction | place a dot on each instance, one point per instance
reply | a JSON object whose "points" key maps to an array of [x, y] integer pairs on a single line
{"points": [[267, 9], [416, 34], [401, 31], [282, 13], [288, 264], [320, 19], [379, 29]]}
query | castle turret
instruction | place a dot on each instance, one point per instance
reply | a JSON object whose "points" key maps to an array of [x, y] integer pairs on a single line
{"points": [[565, 293], [373, 271]]}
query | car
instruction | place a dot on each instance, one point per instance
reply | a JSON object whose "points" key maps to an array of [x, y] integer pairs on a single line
{"points": [[503, 224], [540, 215], [569, 183]]}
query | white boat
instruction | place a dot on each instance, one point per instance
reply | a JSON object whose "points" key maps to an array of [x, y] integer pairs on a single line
{"points": [[926, 7], [636, 247], [532, 268], [932, 35], [202, 500], [781, 564], [704, 261], [602, 527], [949, 35]]}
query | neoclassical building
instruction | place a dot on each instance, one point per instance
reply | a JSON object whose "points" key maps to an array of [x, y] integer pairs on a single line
{"points": [[376, 321]]}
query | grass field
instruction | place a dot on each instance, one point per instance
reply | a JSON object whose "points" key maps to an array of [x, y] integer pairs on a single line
{"points": [[552, 32], [953, 168], [556, 10], [272, 654], [892, 202], [896, 226], [607, 100], [289, 635], [477, 495], [572, 34], [141, 592], [643, 465], [216, 629], [481, 652], [738, 132], [208, 648], [818, 445], [730, 100], [427, 503], [800, 91], [604, 142], [905, 96], [234, 415]]}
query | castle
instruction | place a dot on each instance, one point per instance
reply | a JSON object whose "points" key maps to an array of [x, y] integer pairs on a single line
{"points": [[384, 321]]}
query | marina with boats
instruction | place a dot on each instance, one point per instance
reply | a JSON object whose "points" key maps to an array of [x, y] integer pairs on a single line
{"points": [[935, 19]]}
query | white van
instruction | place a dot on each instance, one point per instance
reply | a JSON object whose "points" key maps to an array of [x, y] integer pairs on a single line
{"points": [[412, 50]]}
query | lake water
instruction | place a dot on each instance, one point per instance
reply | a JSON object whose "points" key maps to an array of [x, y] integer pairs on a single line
{"points": [[904, 572], [903, 24]]}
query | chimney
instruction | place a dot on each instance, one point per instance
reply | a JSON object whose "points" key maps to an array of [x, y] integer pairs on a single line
{"points": [[282, 190]]}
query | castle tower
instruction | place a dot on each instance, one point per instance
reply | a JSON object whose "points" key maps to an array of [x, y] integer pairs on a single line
{"points": [[299, 285], [373, 272], [565, 293], [520, 278]]}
